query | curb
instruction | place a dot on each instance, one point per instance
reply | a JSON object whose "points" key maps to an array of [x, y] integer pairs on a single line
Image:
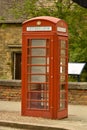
{"points": [[28, 126]]}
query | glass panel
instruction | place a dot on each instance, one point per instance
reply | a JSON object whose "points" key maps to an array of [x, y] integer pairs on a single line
{"points": [[38, 69], [38, 87], [39, 105], [62, 61], [62, 86], [39, 95], [38, 78], [62, 105], [62, 69], [38, 60], [35, 104], [63, 44], [38, 52], [62, 95], [35, 95], [63, 52], [39, 43], [62, 78], [35, 87]]}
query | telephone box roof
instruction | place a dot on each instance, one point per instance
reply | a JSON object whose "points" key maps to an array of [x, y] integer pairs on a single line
{"points": [[48, 18]]}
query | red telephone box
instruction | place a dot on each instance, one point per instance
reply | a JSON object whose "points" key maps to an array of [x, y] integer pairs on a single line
{"points": [[45, 68]]}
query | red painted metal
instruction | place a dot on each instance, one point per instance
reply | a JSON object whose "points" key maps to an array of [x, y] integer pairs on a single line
{"points": [[45, 68]]}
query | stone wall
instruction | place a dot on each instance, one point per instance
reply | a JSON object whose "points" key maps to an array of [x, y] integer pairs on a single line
{"points": [[10, 90], [10, 34], [77, 93]]}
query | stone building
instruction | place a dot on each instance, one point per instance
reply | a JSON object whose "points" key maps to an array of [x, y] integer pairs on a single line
{"points": [[10, 41]]}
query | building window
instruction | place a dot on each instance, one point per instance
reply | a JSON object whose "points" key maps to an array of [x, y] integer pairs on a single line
{"points": [[16, 61], [16, 65]]}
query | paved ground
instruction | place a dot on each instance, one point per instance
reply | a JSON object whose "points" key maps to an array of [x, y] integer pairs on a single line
{"points": [[9, 128], [10, 115]]}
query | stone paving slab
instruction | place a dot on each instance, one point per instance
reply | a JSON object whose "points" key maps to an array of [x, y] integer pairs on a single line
{"points": [[10, 113]]}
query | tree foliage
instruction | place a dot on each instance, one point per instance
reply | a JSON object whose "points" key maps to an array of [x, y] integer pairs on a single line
{"points": [[73, 14]]}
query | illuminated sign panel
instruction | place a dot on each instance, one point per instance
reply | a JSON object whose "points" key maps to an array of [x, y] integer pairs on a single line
{"points": [[41, 28], [61, 29]]}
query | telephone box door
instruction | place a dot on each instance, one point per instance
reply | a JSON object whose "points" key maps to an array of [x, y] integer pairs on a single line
{"points": [[37, 99], [63, 77]]}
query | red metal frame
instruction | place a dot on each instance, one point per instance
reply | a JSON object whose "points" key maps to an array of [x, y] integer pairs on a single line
{"points": [[48, 95]]}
